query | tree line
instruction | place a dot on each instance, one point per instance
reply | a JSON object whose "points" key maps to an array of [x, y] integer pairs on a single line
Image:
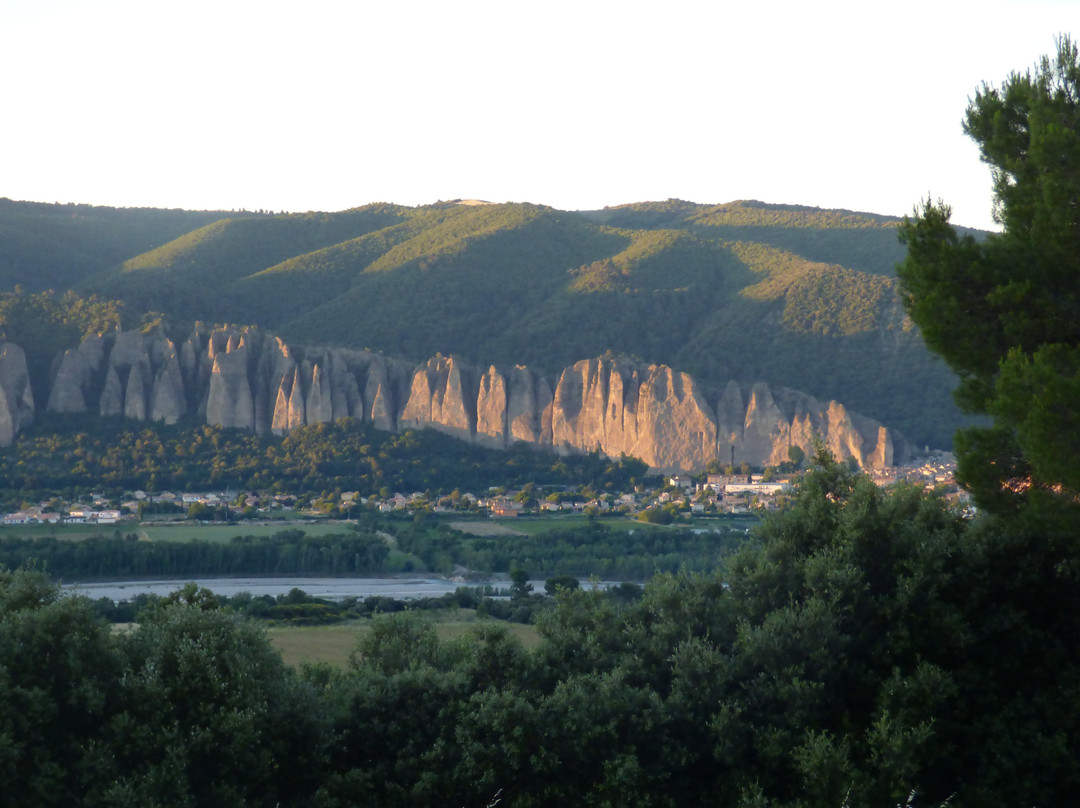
{"points": [[594, 548], [82, 453], [591, 549], [288, 552]]}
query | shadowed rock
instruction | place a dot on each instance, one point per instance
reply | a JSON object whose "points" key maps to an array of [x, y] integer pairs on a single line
{"points": [[16, 397]]}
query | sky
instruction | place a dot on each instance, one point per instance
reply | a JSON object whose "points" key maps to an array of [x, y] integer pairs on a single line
{"points": [[326, 105]]}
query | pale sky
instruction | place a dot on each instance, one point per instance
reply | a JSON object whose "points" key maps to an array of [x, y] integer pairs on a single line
{"points": [[327, 105]]}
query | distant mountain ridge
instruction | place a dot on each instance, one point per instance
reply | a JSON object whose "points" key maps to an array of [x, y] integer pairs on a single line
{"points": [[794, 297]]}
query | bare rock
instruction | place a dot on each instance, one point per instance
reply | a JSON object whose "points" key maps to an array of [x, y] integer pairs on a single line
{"points": [[491, 410], [111, 401], [319, 406], [730, 419], [418, 407], [567, 403], [676, 427], [168, 402], [342, 386], [16, 397], [529, 397], [289, 403], [229, 399], [379, 391], [442, 397], [764, 427], [70, 383], [454, 404], [135, 392]]}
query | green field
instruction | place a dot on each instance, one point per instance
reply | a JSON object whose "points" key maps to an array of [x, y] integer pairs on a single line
{"points": [[538, 525], [333, 644], [185, 532]]}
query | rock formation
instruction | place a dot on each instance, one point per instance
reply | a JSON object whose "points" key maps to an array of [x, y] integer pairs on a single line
{"points": [[16, 397], [249, 379]]}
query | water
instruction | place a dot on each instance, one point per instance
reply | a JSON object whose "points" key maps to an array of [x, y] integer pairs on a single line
{"points": [[329, 588]]}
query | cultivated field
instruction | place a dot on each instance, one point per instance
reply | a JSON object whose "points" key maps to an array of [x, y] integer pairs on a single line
{"points": [[333, 644], [484, 529]]}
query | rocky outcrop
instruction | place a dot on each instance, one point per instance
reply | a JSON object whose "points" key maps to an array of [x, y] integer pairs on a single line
{"points": [[528, 409], [249, 379], [16, 397], [443, 395]]}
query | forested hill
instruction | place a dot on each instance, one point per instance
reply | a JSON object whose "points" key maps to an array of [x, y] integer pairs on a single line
{"points": [[54, 246], [795, 297]]}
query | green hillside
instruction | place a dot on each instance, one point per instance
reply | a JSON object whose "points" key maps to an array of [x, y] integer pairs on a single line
{"points": [[464, 286], [185, 277], [45, 246], [793, 296], [861, 241]]}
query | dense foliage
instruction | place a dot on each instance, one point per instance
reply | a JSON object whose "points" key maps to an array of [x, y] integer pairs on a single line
{"points": [[584, 550], [288, 552], [875, 646], [1002, 312], [580, 549], [53, 246], [69, 454]]}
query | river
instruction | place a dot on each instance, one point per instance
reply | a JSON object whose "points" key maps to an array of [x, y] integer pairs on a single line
{"points": [[330, 588]]}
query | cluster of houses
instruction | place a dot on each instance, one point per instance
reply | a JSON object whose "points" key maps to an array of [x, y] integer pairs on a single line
{"points": [[99, 511], [707, 495], [728, 493], [935, 472], [718, 494], [75, 515]]}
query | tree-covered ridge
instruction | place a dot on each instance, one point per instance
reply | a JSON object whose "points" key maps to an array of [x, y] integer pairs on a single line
{"points": [[448, 230], [760, 214], [657, 214], [472, 296], [743, 213], [252, 244], [653, 261], [820, 298], [53, 246], [186, 276], [290, 289]]}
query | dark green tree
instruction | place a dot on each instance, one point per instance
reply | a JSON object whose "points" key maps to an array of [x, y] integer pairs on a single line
{"points": [[212, 716], [1002, 310], [520, 588], [58, 685], [560, 582]]}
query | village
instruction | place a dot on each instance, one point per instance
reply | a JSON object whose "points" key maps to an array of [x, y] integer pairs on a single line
{"points": [[664, 500]]}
